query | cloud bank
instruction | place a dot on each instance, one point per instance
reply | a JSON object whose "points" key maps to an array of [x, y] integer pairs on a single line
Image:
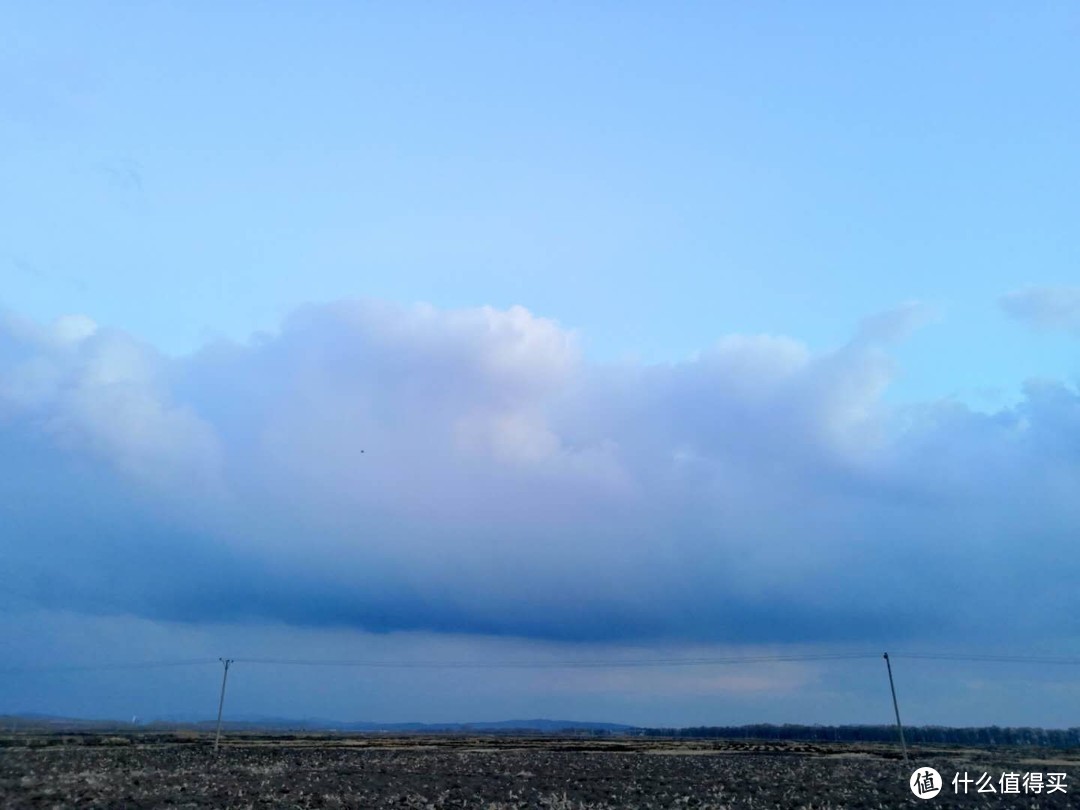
{"points": [[384, 468]]}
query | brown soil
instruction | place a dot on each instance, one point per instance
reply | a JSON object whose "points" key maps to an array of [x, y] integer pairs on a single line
{"points": [[493, 773]]}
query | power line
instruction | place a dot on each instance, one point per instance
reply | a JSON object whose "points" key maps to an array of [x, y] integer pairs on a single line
{"points": [[625, 663], [658, 662], [1003, 659], [570, 664], [104, 667]]}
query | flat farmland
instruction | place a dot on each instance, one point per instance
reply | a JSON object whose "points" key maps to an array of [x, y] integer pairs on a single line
{"points": [[178, 771]]}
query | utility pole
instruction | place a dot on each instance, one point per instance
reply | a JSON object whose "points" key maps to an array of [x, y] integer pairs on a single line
{"points": [[896, 708], [221, 703]]}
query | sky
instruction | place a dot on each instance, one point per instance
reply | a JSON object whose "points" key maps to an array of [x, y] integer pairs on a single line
{"points": [[492, 333]]}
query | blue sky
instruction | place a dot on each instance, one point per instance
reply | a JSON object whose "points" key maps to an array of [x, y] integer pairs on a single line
{"points": [[660, 328]]}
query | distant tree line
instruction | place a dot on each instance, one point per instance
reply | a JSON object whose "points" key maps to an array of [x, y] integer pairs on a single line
{"points": [[915, 735]]}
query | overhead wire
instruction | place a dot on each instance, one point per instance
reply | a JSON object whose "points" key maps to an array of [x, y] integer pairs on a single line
{"points": [[557, 664], [105, 667], [624, 663]]}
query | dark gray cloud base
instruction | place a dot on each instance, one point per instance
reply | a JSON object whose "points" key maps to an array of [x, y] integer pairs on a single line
{"points": [[468, 472]]}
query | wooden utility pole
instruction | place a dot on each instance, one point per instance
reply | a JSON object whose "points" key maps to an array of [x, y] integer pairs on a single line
{"points": [[221, 703], [896, 708]]}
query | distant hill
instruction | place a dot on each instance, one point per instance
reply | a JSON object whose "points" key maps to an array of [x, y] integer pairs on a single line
{"points": [[29, 721], [538, 724], [535, 724]]}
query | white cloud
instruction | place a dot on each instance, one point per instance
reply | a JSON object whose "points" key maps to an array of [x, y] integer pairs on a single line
{"points": [[101, 391], [468, 471], [1046, 308], [896, 324]]}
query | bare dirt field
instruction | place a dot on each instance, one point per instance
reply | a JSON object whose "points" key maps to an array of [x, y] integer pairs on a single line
{"points": [[176, 771]]}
